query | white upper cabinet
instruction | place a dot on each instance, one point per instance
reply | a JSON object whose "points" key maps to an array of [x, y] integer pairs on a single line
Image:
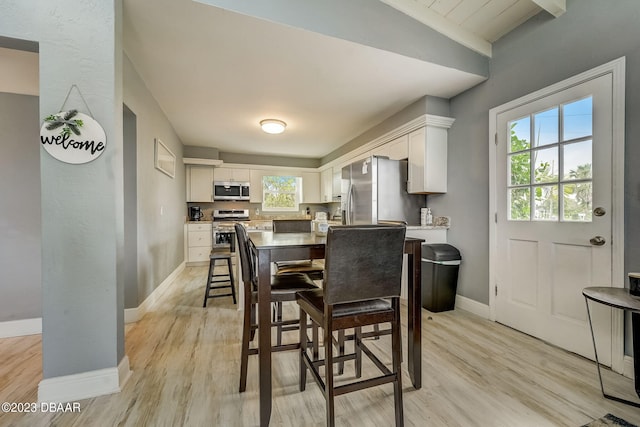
{"points": [[229, 174], [326, 185], [337, 182], [428, 157], [255, 189], [199, 183], [311, 187], [398, 149]]}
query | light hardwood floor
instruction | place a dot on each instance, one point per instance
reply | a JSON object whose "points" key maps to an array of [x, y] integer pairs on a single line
{"points": [[185, 362]]}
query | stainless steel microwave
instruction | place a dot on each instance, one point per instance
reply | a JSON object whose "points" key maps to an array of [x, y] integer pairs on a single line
{"points": [[231, 190]]}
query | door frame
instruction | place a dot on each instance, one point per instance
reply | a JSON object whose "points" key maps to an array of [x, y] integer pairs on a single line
{"points": [[617, 69]]}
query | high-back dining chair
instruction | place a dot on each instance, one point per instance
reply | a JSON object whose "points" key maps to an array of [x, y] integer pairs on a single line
{"points": [[291, 225], [283, 288], [314, 268], [361, 287]]}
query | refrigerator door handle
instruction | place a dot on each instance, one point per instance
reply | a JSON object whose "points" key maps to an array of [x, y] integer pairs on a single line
{"points": [[350, 205]]}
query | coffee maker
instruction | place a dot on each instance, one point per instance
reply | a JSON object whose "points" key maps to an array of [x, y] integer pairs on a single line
{"points": [[195, 213]]}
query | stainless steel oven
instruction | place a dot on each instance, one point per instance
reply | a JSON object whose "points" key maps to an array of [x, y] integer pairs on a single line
{"points": [[223, 230], [224, 239]]}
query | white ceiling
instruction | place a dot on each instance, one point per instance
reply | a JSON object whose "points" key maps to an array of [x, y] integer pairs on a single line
{"points": [[216, 74], [476, 23]]}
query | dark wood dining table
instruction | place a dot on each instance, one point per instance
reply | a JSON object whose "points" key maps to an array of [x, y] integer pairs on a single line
{"points": [[269, 247]]}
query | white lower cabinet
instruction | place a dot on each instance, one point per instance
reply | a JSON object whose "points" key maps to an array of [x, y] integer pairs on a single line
{"points": [[199, 242]]}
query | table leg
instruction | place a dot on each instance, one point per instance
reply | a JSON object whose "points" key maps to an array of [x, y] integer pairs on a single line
{"points": [[634, 319], [414, 314], [635, 331], [264, 334]]}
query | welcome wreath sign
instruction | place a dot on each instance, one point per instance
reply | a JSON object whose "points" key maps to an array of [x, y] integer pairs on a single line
{"points": [[73, 137]]}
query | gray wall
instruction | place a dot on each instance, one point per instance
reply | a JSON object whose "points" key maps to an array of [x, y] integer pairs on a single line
{"points": [[201, 152], [87, 208], [249, 159], [541, 52], [20, 211], [130, 160], [161, 199], [82, 305], [256, 159], [20, 224]]}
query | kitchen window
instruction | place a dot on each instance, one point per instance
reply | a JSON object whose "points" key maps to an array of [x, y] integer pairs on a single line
{"points": [[281, 193]]}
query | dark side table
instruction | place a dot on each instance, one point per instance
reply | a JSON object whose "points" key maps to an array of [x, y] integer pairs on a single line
{"points": [[622, 299]]}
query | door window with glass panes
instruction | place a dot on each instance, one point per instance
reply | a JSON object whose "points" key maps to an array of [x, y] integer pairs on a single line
{"points": [[550, 164]]}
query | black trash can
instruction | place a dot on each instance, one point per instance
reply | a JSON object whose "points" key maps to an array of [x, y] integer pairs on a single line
{"points": [[440, 265]]}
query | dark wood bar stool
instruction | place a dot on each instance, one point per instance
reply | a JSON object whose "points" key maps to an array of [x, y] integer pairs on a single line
{"points": [[361, 287], [283, 288], [213, 279]]}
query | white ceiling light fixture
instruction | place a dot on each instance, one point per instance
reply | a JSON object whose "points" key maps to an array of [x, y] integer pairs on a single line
{"points": [[273, 126]]}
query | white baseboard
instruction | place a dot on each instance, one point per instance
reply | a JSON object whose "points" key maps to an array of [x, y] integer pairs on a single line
{"points": [[124, 371], [85, 385], [18, 328], [134, 314], [472, 306]]}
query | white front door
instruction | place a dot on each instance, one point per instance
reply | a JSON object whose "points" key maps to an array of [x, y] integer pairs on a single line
{"points": [[553, 215]]}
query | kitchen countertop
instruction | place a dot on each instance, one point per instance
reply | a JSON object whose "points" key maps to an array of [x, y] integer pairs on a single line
{"points": [[427, 227], [263, 224]]}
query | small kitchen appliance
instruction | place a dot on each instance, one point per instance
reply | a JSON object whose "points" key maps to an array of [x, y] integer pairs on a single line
{"points": [[231, 190], [195, 213]]}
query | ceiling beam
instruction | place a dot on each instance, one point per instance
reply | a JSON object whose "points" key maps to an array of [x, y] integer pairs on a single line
{"points": [[423, 14], [554, 7], [372, 23]]}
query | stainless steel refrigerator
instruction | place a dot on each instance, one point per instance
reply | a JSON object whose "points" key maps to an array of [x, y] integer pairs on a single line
{"points": [[375, 190]]}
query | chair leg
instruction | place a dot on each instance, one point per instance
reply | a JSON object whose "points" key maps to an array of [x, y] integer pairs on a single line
{"points": [[247, 331], [315, 343], [279, 319], [358, 351], [341, 350], [396, 343], [254, 321], [212, 264], [231, 281], [328, 382], [304, 340]]}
